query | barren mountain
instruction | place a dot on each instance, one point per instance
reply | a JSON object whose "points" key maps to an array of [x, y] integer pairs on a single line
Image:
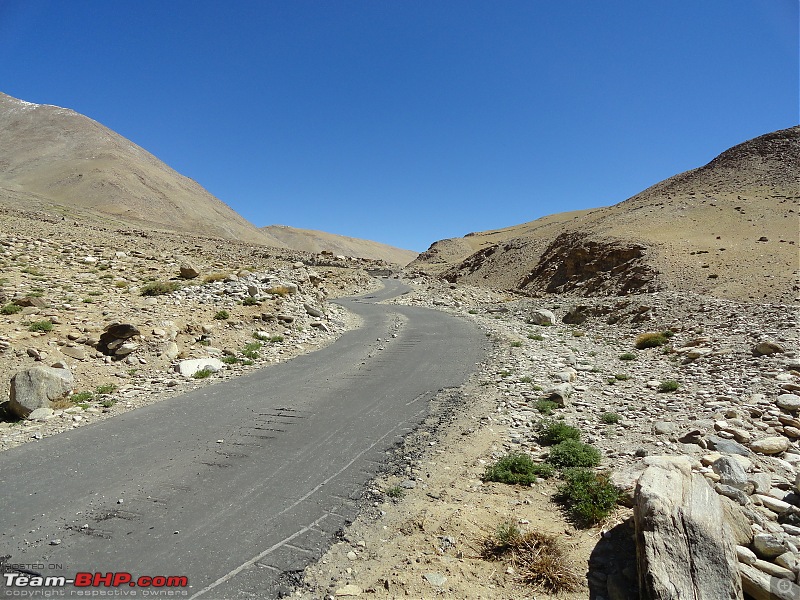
{"points": [[309, 240], [729, 228], [57, 160]]}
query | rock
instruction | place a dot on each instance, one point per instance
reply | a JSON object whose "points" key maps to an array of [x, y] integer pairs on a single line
{"points": [[314, 312], [624, 479], [731, 473], [115, 336], [189, 271], [74, 352], [768, 347], [760, 586], [560, 393], [777, 506], [319, 325], [189, 367], [787, 560], [770, 445], [252, 291], [170, 350], [790, 402], [541, 317], [435, 579], [745, 555], [738, 522], [664, 427], [37, 387], [726, 446], [695, 436], [41, 414], [348, 591], [575, 316], [682, 544], [768, 546], [773, 570], [125, 349]]}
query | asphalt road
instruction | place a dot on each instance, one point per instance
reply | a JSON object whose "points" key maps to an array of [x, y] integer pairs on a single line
{"points": [[234, 485]]}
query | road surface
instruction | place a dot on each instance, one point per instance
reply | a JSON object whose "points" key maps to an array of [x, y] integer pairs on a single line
{"points": [[235, 485]]}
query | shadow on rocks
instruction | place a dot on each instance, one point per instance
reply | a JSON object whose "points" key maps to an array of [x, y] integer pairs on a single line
{"points": [[612, 565]]}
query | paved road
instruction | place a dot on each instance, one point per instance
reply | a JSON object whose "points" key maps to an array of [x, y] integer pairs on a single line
{"points": [[300, 440]]}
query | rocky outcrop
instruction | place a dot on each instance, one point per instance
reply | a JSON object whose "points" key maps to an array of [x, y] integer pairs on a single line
{"points": [[591, 267], [683, 545]]}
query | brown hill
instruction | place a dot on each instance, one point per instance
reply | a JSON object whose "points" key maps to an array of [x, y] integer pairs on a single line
{"points": [[729, 228], [57, 160], [310, 240]]}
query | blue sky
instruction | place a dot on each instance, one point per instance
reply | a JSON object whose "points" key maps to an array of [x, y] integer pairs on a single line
{"points": [[409, 121]]}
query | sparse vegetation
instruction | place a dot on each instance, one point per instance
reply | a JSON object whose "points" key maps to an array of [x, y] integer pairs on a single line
{"points": [[108, 388], [212, 277], [250, 301], [573, 453], [627, 356], [516, 344], [546, 407], [472, 311], [159, 288], [251, 350], [651, 339], [10, 309], [396, 492], [230, 360], [535, 336], [590, 497], [517, 468], [539, 559], [81, 397], [670, 385], [202, 374], [609, 418], [622, 377], [275, 339], [222, 315], [555, 432], [40, 326]]}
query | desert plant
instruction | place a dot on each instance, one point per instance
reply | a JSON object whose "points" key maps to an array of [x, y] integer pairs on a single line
{"points": [[622, 377], [159, 288], [669, 385], [108, 403], [651, 339], [251, 350], [516, 344], [535, 336], [212, 277], [250, 301], [202, 373], [10, 309], [539, 558], [108, 388], [545, 406], [609, 418], [472, 311], [43, 326], [589, 496], [573, 453], [396, 492], [81, 397], [222, 315], [555, 431], [517, 469], [627, 356], [230, 360]]}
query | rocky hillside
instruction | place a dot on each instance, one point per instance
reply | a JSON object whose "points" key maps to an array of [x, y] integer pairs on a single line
{"points": [[728, 229], [310, 240], [57, 160]]}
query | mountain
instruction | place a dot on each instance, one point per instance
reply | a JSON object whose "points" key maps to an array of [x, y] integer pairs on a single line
{"points": [[57, 160], [310, 240], [729, 228]]}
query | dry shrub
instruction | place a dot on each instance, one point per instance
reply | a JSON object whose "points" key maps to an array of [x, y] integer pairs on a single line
{"points": [[538, 558]]}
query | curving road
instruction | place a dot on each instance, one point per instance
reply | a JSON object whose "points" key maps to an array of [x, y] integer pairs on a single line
{"points": [[155, 491]]}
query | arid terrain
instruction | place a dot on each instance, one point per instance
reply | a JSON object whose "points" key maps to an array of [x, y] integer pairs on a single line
{"points": [[665, 325]]}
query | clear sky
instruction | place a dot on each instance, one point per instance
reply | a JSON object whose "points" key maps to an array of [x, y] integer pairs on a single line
{"points": [[408, 121]]}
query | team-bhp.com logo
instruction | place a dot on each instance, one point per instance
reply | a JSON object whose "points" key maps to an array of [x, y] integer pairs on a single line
{"points": [[91, 583]]}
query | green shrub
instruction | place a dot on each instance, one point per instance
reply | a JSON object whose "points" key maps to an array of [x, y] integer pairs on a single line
{"points": [[40, 326], [10, 309], [108, 388], [108, 403], [669, 385], [627, 356], [572, 453], [555, 432], [609, 418], [396, 492], [516, 344], [651, 339], [535, 336], [222, 315], [517, 469], [81, 397], [546, 407], [202, 373], [251, 350], [589, 496], [230, 360], [159, 288], [472, 311], [250, 301], [622, 377], [274, 339]]}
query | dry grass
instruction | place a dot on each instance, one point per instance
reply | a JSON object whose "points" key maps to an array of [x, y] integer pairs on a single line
{"points": [[538, 558]]}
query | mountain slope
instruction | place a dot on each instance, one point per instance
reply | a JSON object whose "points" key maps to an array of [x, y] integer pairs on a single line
{"points": [[57, 160], [729, 228], [310, 240]]}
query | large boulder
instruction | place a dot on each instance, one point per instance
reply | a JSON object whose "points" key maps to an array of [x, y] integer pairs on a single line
{"points": [[189, 367], [37, 387], [541, 316], [684, 547]]}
